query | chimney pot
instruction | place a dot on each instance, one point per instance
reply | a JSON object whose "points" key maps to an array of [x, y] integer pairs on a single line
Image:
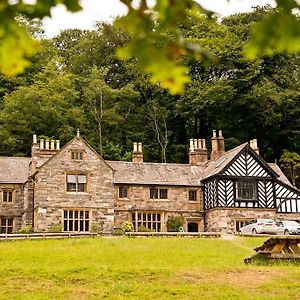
{"points": [[47, 145], [214, 133], [135, 147], [192, 148], [220, 133], [199, 144], [203, 144], [57, 144], [195, 144], [34, 139], [52, 145], [41, 144], [140, 147]]}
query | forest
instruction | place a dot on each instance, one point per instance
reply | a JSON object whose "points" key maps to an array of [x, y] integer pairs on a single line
{"points": [[77, 81]]}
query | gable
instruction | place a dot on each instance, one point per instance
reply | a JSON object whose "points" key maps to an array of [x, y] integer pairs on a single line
{"points": [[63, 158], [246, 163]]}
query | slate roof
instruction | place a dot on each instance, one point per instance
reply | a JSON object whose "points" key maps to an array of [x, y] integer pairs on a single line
{"points": [[216, 166], [157, 173], [281, 177], [14, 169]]}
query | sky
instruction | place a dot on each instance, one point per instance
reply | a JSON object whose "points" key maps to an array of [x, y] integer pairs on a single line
{"points": [[107, 10]]}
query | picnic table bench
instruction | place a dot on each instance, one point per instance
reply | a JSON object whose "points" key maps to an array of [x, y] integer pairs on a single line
{"points": [[277, 248]]}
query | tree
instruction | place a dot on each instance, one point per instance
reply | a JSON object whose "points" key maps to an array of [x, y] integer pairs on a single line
{"points": [[149, 28], [48, 106], [290, 161]]}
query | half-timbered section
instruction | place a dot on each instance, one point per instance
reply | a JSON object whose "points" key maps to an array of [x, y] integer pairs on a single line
{"points": [[240, 185]]}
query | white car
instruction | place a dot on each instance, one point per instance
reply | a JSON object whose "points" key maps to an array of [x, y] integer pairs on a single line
{"points": [[260, 226], [288, 227]]}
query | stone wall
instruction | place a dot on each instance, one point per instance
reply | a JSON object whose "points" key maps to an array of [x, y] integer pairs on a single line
{"points": [[219, 219], [177, 203], [13, 209], [51, 195]]}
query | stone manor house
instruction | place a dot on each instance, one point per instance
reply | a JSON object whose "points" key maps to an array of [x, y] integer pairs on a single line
{"points": [[76, 188]]}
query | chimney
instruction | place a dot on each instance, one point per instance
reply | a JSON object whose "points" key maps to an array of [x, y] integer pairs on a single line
{"points": [[253, 145], [57, 144], [42, 149], [221, 143], [214, 146], [137, 154], [197, 152]]}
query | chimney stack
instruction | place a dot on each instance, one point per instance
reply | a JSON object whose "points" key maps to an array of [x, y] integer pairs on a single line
{"points": [[253, 145], [217, 145], [42, 149], [214, 146], [197, 151], [221, 143], [137, 154]]}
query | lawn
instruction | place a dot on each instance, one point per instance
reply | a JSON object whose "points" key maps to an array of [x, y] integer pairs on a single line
{"points": [[141, 268]]}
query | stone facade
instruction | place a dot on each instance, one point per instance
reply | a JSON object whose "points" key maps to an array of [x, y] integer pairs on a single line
{"points": [[51, 196], [224, 219], [12, 209], [177, 203]]}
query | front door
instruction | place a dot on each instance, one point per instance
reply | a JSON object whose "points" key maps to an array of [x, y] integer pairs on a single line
{"points": [[192, 227]]}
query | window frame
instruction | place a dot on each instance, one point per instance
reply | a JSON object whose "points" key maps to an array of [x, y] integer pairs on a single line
{"points": [[195, 194], [149, 219], [239, 190], [76, 221], [7, 226], [120, 192], [156, 193], [9, 191], [77, 183], [77, 155]]}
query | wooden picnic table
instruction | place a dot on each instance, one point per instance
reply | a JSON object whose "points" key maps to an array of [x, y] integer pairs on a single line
{"points": [[277, 248]]}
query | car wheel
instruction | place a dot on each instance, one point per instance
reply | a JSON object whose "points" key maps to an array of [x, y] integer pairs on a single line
{"points": [[254, 231], [286, 232]]}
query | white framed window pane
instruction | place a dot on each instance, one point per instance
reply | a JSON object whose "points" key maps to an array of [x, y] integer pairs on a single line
{"points": [[71, 178], [81, 178]]}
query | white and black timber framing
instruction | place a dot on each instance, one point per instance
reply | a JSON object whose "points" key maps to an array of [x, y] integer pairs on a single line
{"points": [[220, 190]]}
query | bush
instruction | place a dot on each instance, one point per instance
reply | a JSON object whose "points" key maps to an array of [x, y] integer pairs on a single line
{"points": [[127, 226], [26, 229], [55, 228], [142, 228], [95, 228], [174, 223]]}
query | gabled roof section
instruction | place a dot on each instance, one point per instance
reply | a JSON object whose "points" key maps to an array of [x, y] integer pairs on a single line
{"points": [[156, 173], [281, 177], [77, 136], [216, 166], [14, 169], [240, 161]]}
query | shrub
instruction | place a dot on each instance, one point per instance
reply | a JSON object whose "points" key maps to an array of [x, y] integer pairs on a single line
{"points": [[127, 226], [55, 228], [142, 228], [95, 228], [174, 223], [26, 229]]}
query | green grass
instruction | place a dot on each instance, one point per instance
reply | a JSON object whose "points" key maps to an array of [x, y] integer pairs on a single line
{"points": [[141, 268]]}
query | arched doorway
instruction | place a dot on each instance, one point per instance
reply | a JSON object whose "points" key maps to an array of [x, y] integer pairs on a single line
{"points": [[193, 227]]}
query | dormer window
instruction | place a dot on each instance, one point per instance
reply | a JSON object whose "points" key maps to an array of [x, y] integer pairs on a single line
{"points": [[77, 155]]}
